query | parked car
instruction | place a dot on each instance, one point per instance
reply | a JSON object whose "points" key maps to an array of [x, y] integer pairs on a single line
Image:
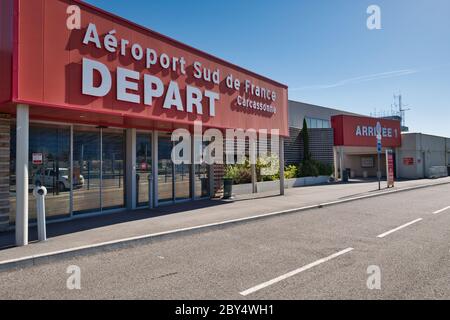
{"points": [[47, 178]]}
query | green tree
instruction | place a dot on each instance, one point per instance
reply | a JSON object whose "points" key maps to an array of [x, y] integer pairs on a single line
{"points": [[305, 137]]}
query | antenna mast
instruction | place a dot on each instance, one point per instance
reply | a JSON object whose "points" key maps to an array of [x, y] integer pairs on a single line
{"points": [[401, 108]]}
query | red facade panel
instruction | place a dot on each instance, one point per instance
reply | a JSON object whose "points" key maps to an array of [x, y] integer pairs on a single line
{"points": [[50, 73], [361, 131]]}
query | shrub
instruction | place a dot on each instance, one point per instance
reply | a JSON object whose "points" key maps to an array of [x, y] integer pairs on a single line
{"points": [[268, 168], [313, 168], [291, 172], [308, 168], [305, 138], [229, 172], [240, 173], [325, 169]]}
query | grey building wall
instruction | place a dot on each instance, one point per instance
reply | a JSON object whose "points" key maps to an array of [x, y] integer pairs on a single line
{"points": [[426, 150], [320, 145], [448, 151], [293, 147], [321, 140], [299, 110]]}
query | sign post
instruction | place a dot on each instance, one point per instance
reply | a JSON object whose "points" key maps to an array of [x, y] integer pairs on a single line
{"points": [[379, 149], [390, 168]]}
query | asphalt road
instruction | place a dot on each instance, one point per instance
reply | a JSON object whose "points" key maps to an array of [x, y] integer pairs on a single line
{"points": [[317, 254]]}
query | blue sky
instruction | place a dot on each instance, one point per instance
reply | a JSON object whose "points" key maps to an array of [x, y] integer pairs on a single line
{"points": [[322, 49]]}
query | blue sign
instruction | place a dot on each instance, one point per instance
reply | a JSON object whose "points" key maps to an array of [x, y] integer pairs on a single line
{"points": [[379, 146]]}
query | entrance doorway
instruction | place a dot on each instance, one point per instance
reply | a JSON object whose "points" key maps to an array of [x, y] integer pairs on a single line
{"points": [[144, 169], [99, 158]]}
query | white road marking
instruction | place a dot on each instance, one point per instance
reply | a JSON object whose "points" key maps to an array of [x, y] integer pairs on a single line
{"points": [[442, 210], [399, 228], [293, 273]]}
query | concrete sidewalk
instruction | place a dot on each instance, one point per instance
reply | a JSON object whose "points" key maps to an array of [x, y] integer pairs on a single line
{"points": [[96, 231]]}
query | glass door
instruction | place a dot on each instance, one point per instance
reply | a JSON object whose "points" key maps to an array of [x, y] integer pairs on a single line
{"points": [[86, 169], [182, 182], [182, 178], [143, 169], [201, 178], [165, 168], [98, 166], [113, 167]]}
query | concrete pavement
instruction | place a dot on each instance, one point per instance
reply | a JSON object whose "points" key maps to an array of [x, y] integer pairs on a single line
{"points": [[414, 261], [99, 230]]}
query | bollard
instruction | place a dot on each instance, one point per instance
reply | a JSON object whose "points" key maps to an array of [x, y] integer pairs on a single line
{"points": [[40, 193]]}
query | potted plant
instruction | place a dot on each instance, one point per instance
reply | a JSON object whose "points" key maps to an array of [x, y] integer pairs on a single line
{"points": [[228, 182]]}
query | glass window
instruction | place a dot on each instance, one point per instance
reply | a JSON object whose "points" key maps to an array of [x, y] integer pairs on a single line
{"points": [[308, 122], [201, 179], [86, 168], [182, 180], [113, 168], [53, 142], [165, 168], [317, 123]]}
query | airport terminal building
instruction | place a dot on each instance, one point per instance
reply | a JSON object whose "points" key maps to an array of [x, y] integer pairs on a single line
{"points": [[88, 111], [348, 142]]}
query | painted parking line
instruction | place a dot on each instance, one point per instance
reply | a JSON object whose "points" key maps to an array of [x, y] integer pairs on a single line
{"points": [[399, 228], [442, 210], [293, 273]]}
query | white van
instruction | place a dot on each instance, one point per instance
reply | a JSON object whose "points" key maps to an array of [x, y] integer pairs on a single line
{"points": [[48, 179]]}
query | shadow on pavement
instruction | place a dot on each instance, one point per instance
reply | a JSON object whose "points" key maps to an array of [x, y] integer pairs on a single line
{"points": [[7, 239]]}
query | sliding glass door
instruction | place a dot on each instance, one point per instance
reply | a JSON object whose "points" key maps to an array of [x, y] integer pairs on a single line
{"points": [[143, 169], [98, 165], [173, 179], [165, 168], [87, 169], [113, 166]]}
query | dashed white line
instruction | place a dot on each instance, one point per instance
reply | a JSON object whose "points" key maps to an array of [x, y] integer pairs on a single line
{"points": [[399, 228], [293, 273], [442, 210]]}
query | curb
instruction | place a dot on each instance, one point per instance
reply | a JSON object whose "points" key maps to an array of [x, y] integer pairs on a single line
{"points": [[49, 257]]}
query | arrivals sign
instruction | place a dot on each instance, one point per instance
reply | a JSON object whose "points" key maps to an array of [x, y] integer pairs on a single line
{"points": [[390, 168], [116, 72], [365, 131]]}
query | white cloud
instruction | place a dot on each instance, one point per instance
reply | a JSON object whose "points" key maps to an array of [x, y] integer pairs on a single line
{"points": [[360, 79]]}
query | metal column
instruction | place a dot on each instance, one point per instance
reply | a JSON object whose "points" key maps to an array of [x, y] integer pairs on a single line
{"points": [[22, 147], [155, 168], [335, 163], [192, 168], [254, 188], [131, 180]]}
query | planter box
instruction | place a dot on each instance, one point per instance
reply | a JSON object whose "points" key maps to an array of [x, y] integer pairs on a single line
{"points": [[267, 186], [307, 181], [240, 189]]}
